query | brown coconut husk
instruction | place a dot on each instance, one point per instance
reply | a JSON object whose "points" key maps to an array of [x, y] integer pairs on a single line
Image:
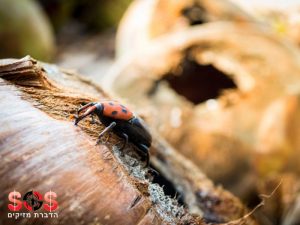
{"points": [[250, 123], [147, 20], [283, 206], [281, 17], [42, 149]]}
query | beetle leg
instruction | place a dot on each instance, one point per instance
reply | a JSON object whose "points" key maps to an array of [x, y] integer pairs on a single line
{"points": [[85, 106], [126, 140], [111, 126], [145, 150], [153, 171], [125, 136]]}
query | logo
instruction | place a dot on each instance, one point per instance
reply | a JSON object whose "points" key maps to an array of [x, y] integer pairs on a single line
{"points": [[32, 201]]}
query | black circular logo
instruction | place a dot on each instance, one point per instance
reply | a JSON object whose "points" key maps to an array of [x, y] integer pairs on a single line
{"points": [[33, 200]]}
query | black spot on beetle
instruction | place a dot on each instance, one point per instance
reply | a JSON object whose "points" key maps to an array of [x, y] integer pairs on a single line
{"points": [[111, 103], [124, 110], [114, 113]]}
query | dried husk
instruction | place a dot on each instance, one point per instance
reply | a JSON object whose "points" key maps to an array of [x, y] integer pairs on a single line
{"points": [[40, 152], [283, 206], [148, 19], [251, 126], [159, 17], [42, 149], [281, 16]]}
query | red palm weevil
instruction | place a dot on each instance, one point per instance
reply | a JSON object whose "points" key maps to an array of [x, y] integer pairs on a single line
{"points": [[121, 121]]}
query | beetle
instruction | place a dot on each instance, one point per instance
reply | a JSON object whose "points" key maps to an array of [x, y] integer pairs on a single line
{"points": [[122, 121]]}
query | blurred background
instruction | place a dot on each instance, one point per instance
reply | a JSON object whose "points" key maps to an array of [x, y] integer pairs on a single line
{"points": [[77, 34], [218, 79]]}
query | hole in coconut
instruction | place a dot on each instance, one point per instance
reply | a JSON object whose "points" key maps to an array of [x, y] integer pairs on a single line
{"points": [[198, 83], [168, 187]]}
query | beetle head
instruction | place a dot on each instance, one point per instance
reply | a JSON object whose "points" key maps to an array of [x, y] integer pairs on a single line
{"points": [[88, 110], [99, 109]]}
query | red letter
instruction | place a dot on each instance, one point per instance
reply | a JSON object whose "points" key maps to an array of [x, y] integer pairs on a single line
{"points": [[12, 197], [49, 198]]}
